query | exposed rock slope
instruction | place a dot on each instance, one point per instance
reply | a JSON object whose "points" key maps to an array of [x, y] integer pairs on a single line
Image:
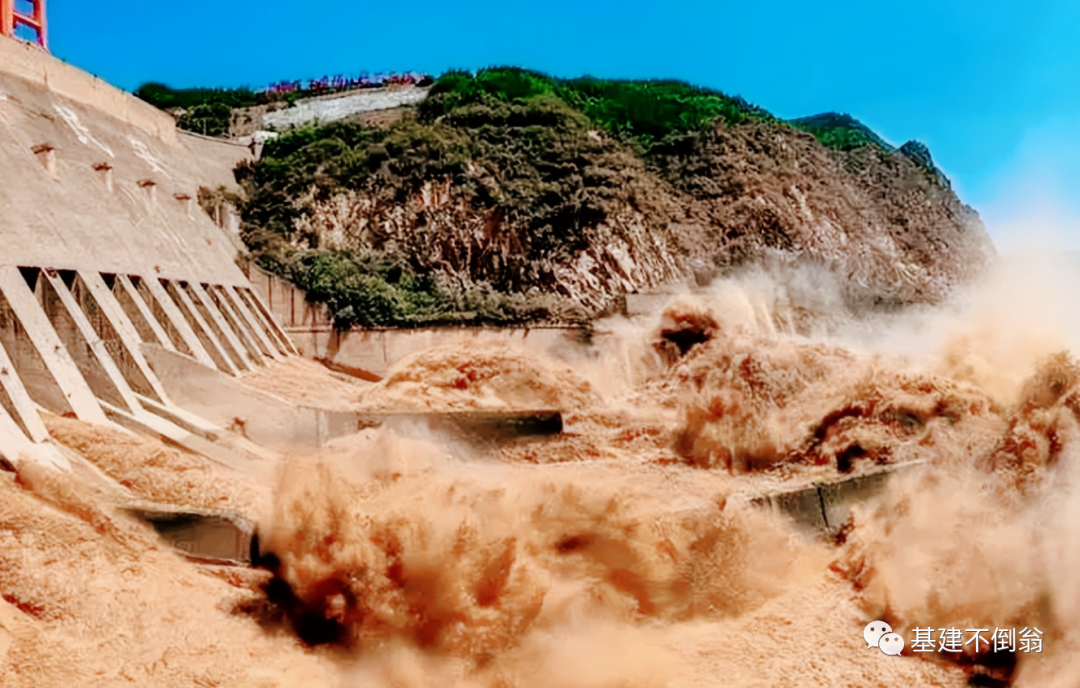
{"points": [[510, 196]]}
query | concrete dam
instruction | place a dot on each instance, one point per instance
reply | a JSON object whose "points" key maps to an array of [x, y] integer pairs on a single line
{"points": [[122, 301], [113, 281], [205, 480]]}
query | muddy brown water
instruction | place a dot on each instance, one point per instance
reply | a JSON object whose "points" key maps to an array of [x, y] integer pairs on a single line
{"points": [[625, 551]]}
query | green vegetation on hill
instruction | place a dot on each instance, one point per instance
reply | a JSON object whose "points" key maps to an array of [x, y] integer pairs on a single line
{"points": [[381, 288], [840, 132], [512, 197], [845, 133], [166, 98], [516, 163], [646, 111], [517, 145]]}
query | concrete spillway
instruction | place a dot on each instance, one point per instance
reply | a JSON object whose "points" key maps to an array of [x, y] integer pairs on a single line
{"points": [[104, 251]]}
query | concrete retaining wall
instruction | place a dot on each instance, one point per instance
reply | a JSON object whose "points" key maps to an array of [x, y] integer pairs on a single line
{"points": [[200, 535], [288, 304], [375, 351], [825, 507]]}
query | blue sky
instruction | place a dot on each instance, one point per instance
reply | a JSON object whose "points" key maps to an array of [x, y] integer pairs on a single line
{"points": [[992, 87]]}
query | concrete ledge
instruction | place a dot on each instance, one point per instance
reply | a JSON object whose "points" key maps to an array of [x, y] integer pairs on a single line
{"points": [[200, 535], [825, 507], [13, 443], [279, 424], [183, 419], [16, 448], [257, 415], [351, 371], [495, 425], [146, 423]]}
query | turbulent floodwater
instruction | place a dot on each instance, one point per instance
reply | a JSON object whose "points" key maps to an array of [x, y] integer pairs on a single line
{"points": [[626, 552]]}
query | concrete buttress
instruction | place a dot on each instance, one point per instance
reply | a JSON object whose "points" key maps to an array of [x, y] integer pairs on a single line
{"points": [[247, 334], [267, 320], [59, 371], [218, 323], [176, 319], [17, 400], [223, 360], [125, 332], [85, 346], [139, 313]]}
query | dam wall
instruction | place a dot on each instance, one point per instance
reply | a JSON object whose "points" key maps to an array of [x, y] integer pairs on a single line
{"points": [[37, 67], [105, 250], [85, 188]]}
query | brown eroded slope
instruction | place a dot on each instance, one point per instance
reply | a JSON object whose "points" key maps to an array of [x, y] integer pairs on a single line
{"points": [[880, 220]]}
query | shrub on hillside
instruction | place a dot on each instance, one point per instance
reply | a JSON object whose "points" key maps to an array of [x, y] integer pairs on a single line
{"points": [[508, 195], [840, 132], [644, 111]]}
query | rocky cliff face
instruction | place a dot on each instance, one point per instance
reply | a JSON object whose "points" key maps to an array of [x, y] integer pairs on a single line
{"points": [[886, 222], [549, 193]]}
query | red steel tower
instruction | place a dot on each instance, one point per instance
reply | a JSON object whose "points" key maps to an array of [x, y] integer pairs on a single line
{"points": [[24, 19]]}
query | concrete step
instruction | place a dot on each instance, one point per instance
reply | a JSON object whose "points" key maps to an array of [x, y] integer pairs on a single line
{"points": [[16, 447], [154, 426], [824, 507], [202, 536], [178, 416], [483, 424]]}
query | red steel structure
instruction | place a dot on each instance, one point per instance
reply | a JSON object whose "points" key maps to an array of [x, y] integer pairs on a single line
{"points": [[24, 19]]}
